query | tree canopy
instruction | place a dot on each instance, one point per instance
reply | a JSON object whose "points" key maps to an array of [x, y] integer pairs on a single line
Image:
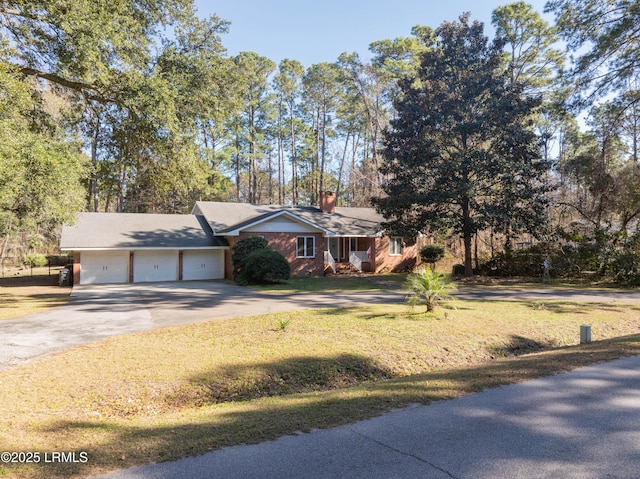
{"points": [[607, 39], [462, 152], [136, 106]]}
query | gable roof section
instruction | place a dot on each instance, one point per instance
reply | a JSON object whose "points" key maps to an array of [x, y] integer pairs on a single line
{"points": [[253, 222], [138, 231], [352, 221], [231, 218]]}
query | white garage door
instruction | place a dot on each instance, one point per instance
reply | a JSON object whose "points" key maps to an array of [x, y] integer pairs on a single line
{"points": [[99, 267], [155, 266], [203, 265]]}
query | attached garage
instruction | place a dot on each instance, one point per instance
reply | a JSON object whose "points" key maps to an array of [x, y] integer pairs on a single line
{"points": [[149, 266], [132, 247], [207, 264], [102, 267]]}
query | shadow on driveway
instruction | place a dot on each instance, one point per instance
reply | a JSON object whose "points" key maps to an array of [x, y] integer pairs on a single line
{"points": [[96, 312]]}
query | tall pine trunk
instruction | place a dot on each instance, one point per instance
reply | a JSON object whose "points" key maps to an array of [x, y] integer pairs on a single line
{"points": [[467, 236]]}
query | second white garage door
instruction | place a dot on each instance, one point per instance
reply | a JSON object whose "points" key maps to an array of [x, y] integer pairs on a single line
{"points": [[203, 265], [155, 266]]}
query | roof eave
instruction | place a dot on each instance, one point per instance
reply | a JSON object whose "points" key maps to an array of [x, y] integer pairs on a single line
{"points": [[235, 231], [138, 248]]}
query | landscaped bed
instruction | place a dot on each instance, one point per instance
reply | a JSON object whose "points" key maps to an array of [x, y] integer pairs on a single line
{"points": [[186, 390]]}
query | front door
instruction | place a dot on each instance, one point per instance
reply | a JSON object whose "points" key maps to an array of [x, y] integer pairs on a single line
{"points": [[334, 248]]}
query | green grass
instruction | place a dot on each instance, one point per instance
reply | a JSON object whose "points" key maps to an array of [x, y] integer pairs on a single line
{"points": [[324, 284], [185, 390], [482, 282], [369, 282]]}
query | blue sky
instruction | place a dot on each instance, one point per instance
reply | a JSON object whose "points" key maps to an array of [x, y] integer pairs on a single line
{"points": [[319, 31]]}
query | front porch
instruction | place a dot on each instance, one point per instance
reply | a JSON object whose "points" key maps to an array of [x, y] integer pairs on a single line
{"points": [[356, 251]]}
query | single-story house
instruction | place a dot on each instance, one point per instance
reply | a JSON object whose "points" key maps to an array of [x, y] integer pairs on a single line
{"points": [[133, 247]]}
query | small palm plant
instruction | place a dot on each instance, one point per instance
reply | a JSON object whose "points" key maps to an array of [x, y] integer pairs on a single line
{"points": [[428, 286]]}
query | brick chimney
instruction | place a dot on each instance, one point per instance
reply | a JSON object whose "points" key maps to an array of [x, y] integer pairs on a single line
{"points": [[328, 202]]}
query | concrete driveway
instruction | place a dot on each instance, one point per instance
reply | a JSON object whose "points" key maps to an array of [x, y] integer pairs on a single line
{"points": [[96, 312], [579, 425]]}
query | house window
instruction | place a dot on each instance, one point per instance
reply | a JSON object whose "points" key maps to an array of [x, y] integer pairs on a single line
{"points": [[353, 246], [395, 246], [306, 247]]}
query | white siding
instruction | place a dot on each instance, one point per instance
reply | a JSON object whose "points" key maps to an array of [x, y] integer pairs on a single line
{"points": [[282, 224]]}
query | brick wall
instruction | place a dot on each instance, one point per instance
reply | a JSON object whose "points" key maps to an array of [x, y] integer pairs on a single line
{"points": [[286, 245], [384, 262]]}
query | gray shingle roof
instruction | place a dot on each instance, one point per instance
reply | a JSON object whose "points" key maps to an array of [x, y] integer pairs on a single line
{"points": [[226, 217], [136, 230]]}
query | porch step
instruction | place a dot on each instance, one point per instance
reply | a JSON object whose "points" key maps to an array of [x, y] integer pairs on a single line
{"points": [[345, 268]]}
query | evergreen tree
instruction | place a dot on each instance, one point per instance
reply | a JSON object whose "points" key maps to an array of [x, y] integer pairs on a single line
{"points": [[461, 152]]}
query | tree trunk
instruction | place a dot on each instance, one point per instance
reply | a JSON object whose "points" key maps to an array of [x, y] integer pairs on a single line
{"points": [[280, 157], [467, 236], [270, 168], [237, 167], [344, 156], [323, 151], [475, 251], [252, 157], [93, 181], [294, 162]]}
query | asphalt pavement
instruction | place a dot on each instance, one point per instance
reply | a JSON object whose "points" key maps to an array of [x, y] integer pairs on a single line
{"points": [[579, 425], [99, 311]]}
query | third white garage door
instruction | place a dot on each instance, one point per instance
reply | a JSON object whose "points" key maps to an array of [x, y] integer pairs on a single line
{"points": [[155, 266], [203, 264]]}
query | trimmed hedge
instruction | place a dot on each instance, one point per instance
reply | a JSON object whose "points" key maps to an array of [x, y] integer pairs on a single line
{"points": [[242, 249], [264, 266]]}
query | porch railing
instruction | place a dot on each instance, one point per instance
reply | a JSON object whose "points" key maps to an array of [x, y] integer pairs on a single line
{"points": [[356, 258], [328, 260]]}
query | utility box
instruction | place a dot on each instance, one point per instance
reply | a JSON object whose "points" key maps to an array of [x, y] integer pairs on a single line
{"points": [[65, 277], [585, 334]]}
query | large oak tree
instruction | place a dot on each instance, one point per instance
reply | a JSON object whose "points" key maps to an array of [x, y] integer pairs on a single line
{"points": [[461, 152]]}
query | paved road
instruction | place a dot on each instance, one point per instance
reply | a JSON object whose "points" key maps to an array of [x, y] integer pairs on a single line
{"points": [[579, 425], [96, 312]]}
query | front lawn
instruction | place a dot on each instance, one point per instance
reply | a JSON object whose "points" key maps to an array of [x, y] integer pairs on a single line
{"points": [[185, 390], [341, 282], [23, 295]]}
